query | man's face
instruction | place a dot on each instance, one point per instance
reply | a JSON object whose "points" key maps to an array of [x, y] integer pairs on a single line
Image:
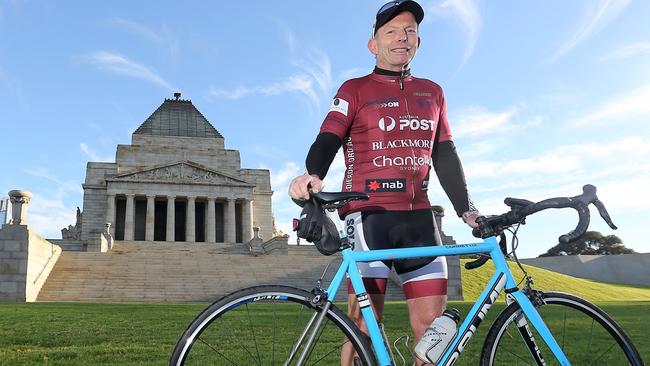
{"points": [[395, 43]]}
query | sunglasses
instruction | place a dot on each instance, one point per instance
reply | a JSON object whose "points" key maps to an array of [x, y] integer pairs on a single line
{"points": [[389, 5], [384, 8]]}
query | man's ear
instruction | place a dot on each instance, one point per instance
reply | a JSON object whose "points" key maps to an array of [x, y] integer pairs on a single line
{"points": [[372, 46], [419, 39]]}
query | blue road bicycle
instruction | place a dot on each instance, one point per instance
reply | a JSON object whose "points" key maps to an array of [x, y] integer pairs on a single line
{"points": [[281, 325]]}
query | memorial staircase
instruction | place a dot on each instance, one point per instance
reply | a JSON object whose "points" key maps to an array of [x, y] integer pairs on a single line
{"points": [[181, 272]]}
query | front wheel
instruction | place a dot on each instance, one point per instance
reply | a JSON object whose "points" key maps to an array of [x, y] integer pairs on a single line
{"points": [[267, 325], [586, 334]]}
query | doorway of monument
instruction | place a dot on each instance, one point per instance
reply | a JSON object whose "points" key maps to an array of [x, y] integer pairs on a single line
{"points": [[238, 222], [140, 218], [200, 220], [120, 217], [180, 213], [219, 218], [160, 220]]}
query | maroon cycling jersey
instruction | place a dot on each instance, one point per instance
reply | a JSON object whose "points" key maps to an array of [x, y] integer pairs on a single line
{"points": [[388, 134]]}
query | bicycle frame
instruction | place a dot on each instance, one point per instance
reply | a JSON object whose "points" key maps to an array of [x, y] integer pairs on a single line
{"points": [[501, 279]]}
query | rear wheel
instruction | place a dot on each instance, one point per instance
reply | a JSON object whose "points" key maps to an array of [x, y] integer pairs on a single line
{"points": [[586, 334], [263, 325]]}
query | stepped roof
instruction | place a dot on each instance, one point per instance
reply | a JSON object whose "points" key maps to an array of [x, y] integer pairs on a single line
{"points": [[178, 117]]}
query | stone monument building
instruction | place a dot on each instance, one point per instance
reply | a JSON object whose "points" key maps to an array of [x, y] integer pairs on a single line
{"points": [[175, 182], [5, 212]]}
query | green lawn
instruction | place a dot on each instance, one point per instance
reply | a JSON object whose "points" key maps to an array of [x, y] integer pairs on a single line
{"points": [[474, 282], [144, 334]]}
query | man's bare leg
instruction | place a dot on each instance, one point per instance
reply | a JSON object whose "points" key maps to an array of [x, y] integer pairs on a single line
{"points": [[422, 311], [354, 312]]}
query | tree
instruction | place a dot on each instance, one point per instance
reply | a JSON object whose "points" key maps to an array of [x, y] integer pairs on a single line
{"points": [[591, 242]]}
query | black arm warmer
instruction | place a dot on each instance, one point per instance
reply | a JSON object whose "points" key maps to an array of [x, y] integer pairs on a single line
{"points": [[451, 176], [322, 153]]}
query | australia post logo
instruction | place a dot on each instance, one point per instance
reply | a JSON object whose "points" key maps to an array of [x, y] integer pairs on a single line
{"points": [[389, 123], [386, 185]]}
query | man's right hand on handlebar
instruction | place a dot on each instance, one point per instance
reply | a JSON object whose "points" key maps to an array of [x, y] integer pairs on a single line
{"points": [[302, 185]]}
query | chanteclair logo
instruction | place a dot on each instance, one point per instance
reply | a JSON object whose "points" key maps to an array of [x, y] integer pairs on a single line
{"points": [[388, 124], [387, 127]]}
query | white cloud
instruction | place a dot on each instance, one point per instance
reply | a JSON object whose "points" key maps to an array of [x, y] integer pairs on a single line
{"points": [[597, 16], [164, 39], [619, 108], [138, 30], [477, 121], [48, 212], [562, 162], [49, 216], [630, 50], [92, 155], [63, 187], [313, 79], [296, 83], [467, 13], [118, 64]]}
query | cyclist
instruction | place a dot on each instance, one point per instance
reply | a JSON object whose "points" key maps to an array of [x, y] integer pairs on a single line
{"points": [[392, 127]]}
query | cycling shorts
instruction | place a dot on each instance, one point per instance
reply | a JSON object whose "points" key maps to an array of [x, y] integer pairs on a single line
{"points": [[369, 230]]}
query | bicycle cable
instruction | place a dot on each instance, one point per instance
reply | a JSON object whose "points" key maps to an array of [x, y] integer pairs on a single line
{"points": [[513, 252]]}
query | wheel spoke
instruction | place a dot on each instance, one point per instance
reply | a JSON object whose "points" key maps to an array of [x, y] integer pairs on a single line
{"points": [[217, 351], [250, 325], [273, 318], [588, 335], [274, 327]]}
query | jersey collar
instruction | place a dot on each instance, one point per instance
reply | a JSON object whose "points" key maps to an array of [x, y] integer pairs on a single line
{"points": [[384, 75]]}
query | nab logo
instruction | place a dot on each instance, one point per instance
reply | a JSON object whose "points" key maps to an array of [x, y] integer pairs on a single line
{"points": [[387, 124], [385, 185]]}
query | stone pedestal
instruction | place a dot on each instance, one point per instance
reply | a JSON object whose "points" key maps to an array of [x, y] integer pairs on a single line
{"points": [[255, 245], [19, 203]]}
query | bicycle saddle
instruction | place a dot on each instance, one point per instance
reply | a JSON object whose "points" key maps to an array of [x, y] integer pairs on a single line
{"points": [[331, 197]]}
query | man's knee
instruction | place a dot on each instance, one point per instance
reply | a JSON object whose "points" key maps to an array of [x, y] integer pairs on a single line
{"points": [[423, 310]]}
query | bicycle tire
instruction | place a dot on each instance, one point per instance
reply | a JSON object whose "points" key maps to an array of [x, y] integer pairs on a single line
{"points": [[579, 322], [260, 325]]}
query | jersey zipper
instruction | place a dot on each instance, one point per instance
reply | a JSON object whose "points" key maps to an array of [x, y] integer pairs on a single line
{"points": [[408, 116]]}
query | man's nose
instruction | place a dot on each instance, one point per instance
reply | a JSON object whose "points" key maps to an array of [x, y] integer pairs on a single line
{"points": [[403, 36]]}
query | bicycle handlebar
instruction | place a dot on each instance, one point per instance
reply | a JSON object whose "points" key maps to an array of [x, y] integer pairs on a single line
{"points": [[519, 209]]}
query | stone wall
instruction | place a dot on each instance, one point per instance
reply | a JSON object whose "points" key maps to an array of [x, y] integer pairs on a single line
{"points": [[26, 260], [94, 214], [150, 151], [262, 194]]}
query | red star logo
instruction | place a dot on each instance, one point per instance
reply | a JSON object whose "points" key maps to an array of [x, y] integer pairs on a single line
{"points": [[373, 185]]}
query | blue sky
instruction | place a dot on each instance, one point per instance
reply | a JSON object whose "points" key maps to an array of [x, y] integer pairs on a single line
{"points": [[542, 97]]}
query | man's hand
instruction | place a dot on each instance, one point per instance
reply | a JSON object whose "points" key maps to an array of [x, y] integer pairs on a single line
{"points": [[470, 218], [301, 186]]}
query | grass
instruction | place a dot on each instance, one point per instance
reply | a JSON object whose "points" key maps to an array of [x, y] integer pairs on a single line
{"points": [[144, 334], [474, 282]]}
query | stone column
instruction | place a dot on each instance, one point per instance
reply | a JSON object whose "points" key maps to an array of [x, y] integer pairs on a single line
{"points": [[247, 220], [19, 202], [229, 222], [129, 228], [190, 222], [151, 217], [171, 218], [211, 231], [110, 214]]}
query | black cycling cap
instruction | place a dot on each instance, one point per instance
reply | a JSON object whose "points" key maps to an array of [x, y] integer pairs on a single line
{"points": [[391, 9]]}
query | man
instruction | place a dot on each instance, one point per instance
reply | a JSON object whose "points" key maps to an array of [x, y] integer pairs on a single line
{"points": [[392, 127]]}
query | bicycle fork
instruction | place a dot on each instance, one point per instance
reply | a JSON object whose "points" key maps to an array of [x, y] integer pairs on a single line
{"points": [[526, 333], [314, 324]]}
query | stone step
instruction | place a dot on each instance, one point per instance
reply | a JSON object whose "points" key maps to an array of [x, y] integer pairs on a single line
{"points": [[180, 272]]}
